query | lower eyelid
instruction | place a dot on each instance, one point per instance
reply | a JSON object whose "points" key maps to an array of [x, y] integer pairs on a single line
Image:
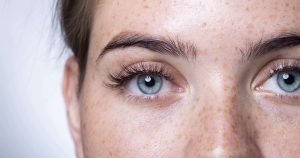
{"points": [[282, 99], [153, 100]]}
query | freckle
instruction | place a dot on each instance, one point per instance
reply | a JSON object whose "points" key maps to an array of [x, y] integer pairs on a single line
{"points": [[250, 26], [216, 59], [247, 9], [179, 136], [87, 107], [193, 107], [200, 113], [248, 117], [205, 129], [153, 18], [110, 153], [287, 4], [204, 24], [234, 127], [204, 52], [220, 46], [229, 77], [271, 17], [146, 6], [84, 126], [219, 109], [255, 135]]}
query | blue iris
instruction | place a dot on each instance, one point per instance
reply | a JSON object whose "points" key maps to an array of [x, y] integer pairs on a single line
{"points": [[148, 84], [289, 81]]}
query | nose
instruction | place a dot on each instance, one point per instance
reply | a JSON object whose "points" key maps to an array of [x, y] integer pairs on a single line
{"points": [[224, 131], [230, 137]]}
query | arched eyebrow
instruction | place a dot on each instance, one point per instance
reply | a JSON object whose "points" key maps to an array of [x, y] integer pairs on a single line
{"points": [[161, 45], [271, 45]]}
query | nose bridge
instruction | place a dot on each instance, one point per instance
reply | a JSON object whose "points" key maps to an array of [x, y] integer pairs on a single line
{"points": [[227, 131], [230, 134]]}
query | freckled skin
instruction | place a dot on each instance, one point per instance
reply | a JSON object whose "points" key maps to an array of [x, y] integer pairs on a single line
{"points": [[219, 117]]}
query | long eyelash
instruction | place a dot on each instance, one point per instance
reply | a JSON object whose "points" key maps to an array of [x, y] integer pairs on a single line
{"points": [[283, 66], [129, 72]]}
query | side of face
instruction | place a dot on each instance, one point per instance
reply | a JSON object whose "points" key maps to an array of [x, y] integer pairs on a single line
{"points": [[216, 100]]}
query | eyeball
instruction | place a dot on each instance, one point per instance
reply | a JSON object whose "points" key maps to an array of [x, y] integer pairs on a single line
{"points": [[149, 84], [286, 81]]}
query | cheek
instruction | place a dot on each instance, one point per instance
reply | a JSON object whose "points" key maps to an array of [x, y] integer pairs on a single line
{"points": [[276, 137], [112, 128]]}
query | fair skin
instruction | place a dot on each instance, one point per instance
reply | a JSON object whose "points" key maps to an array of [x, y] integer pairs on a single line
{"points": [[219, 102]]}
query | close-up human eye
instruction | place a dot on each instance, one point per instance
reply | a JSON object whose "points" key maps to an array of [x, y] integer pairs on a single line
{"points": [[280, 80], [146, 82]]}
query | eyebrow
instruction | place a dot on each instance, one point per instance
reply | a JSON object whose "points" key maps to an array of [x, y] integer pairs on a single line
{"points": [[165, 46], [271, 45], [187, 50]]}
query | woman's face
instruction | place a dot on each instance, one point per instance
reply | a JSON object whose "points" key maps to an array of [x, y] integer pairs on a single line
{"points": [[189, 78]]}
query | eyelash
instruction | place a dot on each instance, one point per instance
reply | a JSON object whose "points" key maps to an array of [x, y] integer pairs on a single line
{"points": [[127, 73], [286, 65]]}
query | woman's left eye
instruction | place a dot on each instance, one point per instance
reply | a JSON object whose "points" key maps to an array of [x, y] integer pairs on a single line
{"points": [[286, 81], [149, 85]]}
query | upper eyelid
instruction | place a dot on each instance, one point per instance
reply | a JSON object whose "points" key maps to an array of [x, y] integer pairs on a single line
{"points": [[128, 72], [144, 67]]}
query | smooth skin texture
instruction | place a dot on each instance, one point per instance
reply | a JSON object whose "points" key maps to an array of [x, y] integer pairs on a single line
{"points": [[218, 113]]}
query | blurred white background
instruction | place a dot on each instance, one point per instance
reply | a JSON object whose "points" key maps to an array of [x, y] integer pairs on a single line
{"points": [[32, 113]]}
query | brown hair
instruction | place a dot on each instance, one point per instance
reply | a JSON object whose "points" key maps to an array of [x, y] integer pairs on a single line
{"points": [[76, 19]]}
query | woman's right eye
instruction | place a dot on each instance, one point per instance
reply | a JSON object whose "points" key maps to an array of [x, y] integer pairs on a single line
{"points": [[150, 85]]}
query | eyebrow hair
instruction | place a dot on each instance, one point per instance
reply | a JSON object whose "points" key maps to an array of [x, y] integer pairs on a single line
{"points": [[166, 46], [187, 50], [264, 47]]}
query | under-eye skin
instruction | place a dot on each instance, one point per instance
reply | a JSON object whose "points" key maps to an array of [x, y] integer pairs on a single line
{"points": [[147, 83], [279, 82]]}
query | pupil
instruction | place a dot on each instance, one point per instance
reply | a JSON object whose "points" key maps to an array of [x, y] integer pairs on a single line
{"points": [[149, 81], [288, 79]]}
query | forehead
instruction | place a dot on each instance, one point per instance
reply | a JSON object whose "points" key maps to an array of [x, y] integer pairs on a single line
{"points": [[219, 23]]}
